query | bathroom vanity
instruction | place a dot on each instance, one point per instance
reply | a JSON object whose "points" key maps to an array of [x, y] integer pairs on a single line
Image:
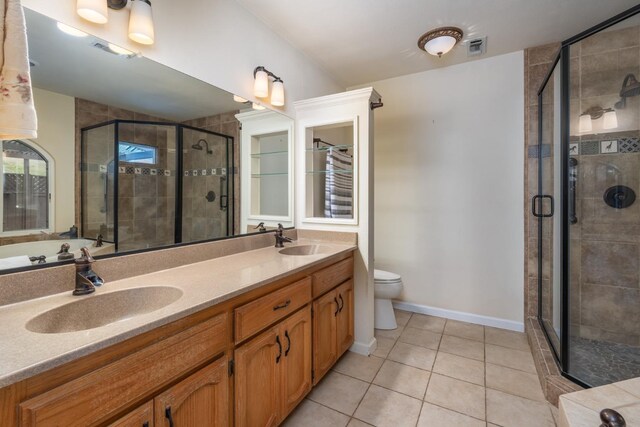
{"points": [[242, 341]]}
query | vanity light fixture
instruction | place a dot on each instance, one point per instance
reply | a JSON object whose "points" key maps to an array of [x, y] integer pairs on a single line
{"points": [[70, 30], [239, 99], [257, 106], [141, 29], [440, 41], [261, 86], [610, 119]]}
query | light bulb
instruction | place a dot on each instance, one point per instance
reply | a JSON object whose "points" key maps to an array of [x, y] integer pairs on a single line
{"points": [[70, 30], [239, 99], [440, 45], [585, 123], [257, 106], [610, 120], [141, 22], [261, 84], [95, 11], [277, 93]]}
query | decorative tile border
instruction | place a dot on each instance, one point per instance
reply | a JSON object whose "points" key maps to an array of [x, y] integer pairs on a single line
{"points": [[134, 170], [593, 147]]}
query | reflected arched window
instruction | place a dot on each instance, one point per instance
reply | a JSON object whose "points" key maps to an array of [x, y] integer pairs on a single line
{"points": [[26, 173]]}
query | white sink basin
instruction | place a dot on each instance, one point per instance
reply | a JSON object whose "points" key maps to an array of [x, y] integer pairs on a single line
{"points": [[306, 250]]}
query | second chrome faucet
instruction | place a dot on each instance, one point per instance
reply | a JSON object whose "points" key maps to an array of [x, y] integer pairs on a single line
{"points": [[280, 237]]}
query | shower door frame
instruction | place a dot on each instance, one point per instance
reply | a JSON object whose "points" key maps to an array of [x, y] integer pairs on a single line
{"points": [[231, 172], [563, 58]]}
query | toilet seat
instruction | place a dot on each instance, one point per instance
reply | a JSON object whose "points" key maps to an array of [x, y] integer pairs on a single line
{"points": [[381, 276]]}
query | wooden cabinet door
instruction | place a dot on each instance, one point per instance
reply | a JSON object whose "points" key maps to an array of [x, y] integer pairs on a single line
{"points": [[257, 380], [345, 317], [325, 310], [296, 367], [139, 417], [201, 400]]}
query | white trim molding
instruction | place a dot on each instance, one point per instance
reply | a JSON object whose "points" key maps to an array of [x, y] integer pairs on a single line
{"points": [[461, 316], [363, 348]]}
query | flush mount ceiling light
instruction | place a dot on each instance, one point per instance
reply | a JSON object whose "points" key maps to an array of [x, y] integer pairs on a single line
{"points": [[440, 41], [261, 86], [141, 29]]}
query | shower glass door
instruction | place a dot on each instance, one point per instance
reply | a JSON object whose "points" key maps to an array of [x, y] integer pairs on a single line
{"points": [[207, 187], [546, 208]]}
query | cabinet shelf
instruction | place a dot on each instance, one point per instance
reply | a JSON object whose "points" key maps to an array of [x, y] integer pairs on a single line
{"points": [[262, 175], [268, 153]]}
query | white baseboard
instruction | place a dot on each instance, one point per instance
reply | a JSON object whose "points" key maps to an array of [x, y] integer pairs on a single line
{"points": [[364, 348], [461, 316]]}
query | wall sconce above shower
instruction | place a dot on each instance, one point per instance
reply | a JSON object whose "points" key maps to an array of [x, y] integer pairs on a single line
{"points": [[141, 28], [261, 86], [610, 119]]}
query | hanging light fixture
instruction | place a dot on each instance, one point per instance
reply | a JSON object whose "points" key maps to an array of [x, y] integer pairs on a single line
{"points": [[95, 11], [141, 22], [610, 120], [261, 86], [141, 29], [239, 99], [585, 123], [257, 106], [440, 41], [70, 30]]}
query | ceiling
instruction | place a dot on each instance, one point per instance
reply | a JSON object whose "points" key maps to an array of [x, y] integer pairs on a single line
{"points": [[361, 41], [73, 66]]}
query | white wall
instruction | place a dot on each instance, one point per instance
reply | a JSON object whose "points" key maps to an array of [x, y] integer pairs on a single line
{"points": [[217, 41], [449, 186], [56, 134]]}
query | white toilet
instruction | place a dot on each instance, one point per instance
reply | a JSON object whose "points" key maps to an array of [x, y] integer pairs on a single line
{"points": [[387, 286]]}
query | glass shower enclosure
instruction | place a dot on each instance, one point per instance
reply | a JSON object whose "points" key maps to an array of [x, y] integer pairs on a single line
{"points": [[588, 218], [152, 184]]}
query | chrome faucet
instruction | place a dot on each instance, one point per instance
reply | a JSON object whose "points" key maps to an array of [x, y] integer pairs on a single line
{"points": [[280, 238], [86, 278]]}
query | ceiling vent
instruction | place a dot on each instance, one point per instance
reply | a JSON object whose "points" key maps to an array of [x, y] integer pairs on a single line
{"points": [[477, 47]]}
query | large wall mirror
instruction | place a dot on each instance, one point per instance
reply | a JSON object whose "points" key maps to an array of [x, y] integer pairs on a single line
{"points": [[130, 155]]}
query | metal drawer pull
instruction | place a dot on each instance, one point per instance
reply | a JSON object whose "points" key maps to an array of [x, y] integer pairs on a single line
{"points": [[283, 305], [337, 306], [167, 413], [286, 335], [279, 349], [342, 301]]}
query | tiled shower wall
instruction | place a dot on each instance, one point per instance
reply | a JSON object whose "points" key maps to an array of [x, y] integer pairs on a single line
{"points": [[227, 124]]}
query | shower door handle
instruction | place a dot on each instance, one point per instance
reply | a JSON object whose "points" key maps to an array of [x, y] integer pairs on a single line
{"points": [[534, 205], [224, 199]]}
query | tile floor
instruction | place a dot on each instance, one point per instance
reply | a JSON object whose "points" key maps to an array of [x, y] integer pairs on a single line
{"points": [[432, 372]]}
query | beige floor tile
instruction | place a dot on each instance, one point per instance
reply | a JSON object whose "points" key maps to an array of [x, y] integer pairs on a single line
{"points": [[403, 379], [430, 323], [339, 392], [413, 355], [384, 347], [459, 367], [578, 414], [462, 347], [508, 410], [432, 415], [420, 337], [505, 338], [357, 423], [312, 414], [457, 395], [382, 408], [358, 366], [464, 330], [512, 381], [516, 359], [601, 397], [389, 333], [402, 317]]}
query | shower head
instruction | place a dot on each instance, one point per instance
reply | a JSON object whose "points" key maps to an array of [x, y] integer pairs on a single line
{"points": [[630, 87], [198, 146]]}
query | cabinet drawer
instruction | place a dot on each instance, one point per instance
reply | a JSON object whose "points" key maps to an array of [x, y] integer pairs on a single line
{"points": [[95, 397], [330, 277], [257, 315]]}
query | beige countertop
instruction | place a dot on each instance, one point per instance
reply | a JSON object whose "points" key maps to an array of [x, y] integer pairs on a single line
{"points": [[24, 353]]}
